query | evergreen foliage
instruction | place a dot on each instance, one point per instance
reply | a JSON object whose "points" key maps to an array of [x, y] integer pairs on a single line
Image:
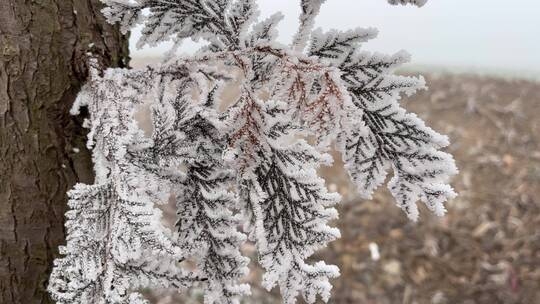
{"points": [[242, 169]]}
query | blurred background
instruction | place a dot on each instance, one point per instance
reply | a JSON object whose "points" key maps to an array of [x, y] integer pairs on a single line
{"points": [[483, 36], [481, 61]]}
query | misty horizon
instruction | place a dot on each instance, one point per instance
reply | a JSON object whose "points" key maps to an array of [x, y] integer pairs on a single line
{"points": [[481, 34]]}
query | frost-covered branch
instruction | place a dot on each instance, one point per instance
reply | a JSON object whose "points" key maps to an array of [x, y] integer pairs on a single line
{"points": [[115, 241], [388, 137], [289, 208], [248, 161], [310, 10]]}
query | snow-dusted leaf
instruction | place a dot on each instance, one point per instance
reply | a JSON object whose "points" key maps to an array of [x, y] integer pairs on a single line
{"points": [[310, 10], [207, 230], [389, 138], [206, 223], [264, 31], [241, 15], [115, 240], [289, 208], [335, 44]]}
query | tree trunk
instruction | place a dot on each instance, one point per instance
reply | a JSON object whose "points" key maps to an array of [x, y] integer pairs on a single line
{"points": [[43, 54]]}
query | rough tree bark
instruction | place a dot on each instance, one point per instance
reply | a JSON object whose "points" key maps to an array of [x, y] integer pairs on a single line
{"points": [[43, 51]]}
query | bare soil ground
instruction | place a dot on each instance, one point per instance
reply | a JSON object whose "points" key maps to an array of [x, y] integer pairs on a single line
{"points": [[487, 249]]}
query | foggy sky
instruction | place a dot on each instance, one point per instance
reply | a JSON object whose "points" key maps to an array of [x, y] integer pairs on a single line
{"points": [[466, 33]]}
